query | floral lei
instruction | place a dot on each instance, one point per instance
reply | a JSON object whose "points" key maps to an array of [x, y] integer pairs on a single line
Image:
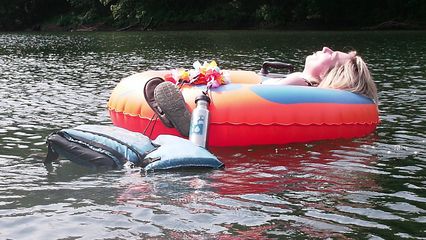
{"points": [[208, 73]]}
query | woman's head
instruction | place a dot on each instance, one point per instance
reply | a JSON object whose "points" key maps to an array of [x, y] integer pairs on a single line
{"points": [[353, 76], [339, 70], [319, 63]]}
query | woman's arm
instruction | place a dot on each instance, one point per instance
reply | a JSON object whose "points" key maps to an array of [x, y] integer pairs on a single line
{"points": [[291, 79]]}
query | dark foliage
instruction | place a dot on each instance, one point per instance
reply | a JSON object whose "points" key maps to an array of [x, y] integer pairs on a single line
{"points": [[223, 14]]}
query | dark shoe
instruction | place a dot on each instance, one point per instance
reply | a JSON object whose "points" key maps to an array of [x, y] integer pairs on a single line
{"points": [[149, 88], [172, 104]]}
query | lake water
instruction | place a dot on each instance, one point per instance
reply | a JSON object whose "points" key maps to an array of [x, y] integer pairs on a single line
{"points": [[370, 188]]}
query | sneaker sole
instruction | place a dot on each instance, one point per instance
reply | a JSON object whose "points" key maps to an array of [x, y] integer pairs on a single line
{"points": [[172, 103]]}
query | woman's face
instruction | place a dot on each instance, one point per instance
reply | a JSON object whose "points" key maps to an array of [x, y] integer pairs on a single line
{"points": [[318, 64]]}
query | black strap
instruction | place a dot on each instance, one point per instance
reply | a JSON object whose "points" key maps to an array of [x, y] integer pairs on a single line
{"points": [[51, 155], [152, 120], [147, 161]]}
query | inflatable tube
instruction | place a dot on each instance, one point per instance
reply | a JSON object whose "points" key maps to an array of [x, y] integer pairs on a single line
{"points": [[176, 152], [246, 112], [112, 147]]}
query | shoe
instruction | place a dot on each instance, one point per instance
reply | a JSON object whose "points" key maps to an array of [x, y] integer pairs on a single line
{"points": [[172, 104], [148, 91]]}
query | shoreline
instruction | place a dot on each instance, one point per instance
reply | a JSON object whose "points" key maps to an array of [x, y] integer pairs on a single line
{"points": [[102, 27]]}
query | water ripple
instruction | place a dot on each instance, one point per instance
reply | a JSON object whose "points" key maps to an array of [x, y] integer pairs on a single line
{"points": [[371, 187]]}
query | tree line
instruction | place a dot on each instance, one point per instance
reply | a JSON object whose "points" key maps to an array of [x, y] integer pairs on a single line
{"points": [[218, 14]]}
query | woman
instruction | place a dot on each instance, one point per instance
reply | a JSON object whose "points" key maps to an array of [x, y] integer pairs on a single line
{"points": [[333, 69]]}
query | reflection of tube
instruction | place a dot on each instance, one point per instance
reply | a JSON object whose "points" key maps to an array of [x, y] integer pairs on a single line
{"points": [[336, 170], [200, 121]]}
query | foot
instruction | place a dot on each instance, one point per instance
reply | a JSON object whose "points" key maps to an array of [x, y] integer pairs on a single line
{"points": [[172, 103]]}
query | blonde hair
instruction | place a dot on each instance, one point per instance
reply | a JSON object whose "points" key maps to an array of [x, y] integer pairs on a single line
{"points": [[352, 76]]}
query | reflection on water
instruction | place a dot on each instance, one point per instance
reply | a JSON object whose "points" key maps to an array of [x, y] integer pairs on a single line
{"points": [[363, 188]]}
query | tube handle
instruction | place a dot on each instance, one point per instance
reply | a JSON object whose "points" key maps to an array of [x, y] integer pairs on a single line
{"points": [[278, 65]]}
